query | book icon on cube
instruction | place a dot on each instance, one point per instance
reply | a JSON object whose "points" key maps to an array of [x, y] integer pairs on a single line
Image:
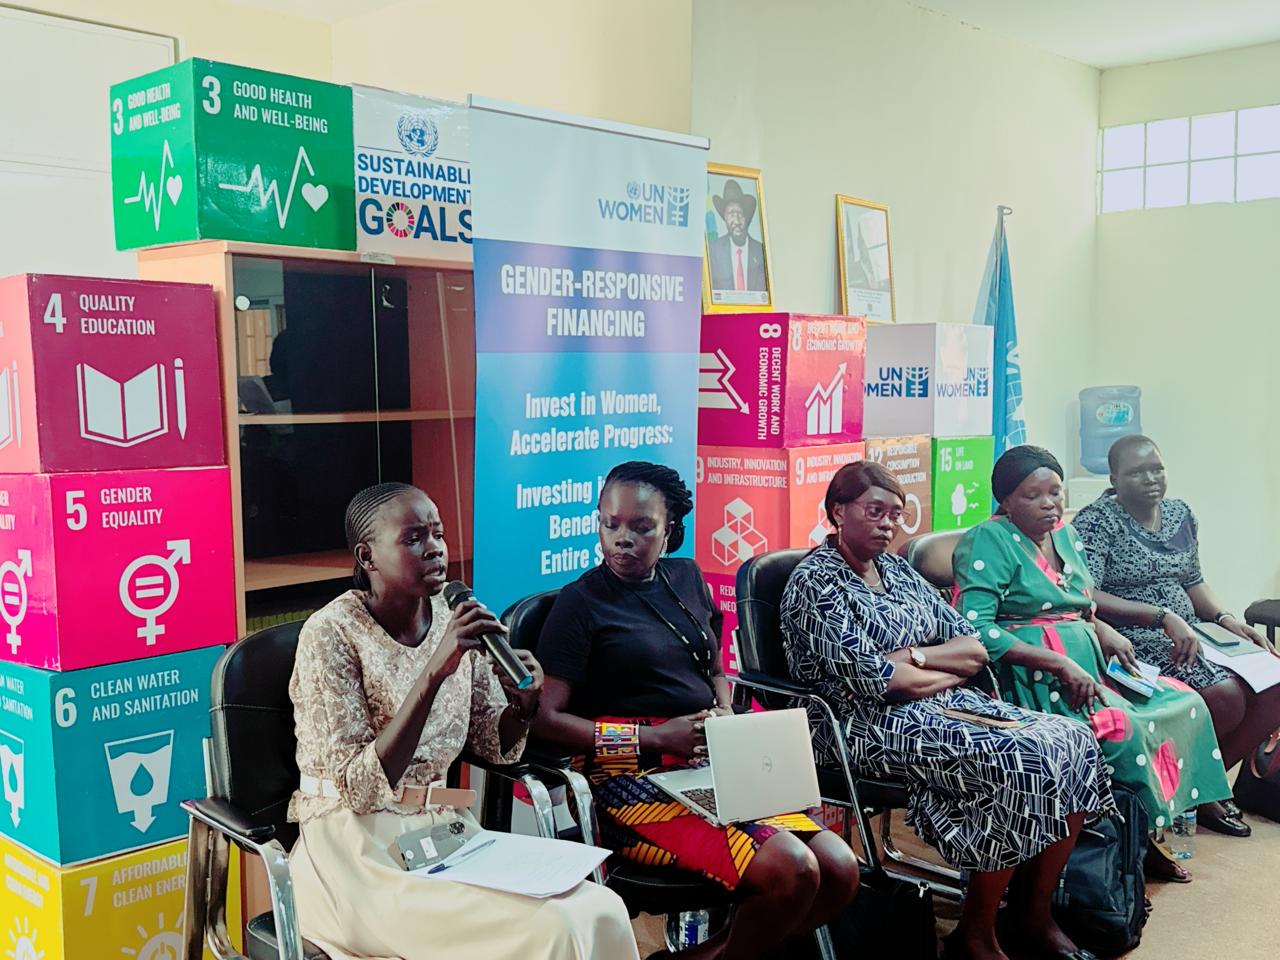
{"points": [[134, 411]]}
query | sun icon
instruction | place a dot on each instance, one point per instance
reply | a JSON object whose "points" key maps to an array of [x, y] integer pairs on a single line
{"points": [[161, 945], [23, 939]]}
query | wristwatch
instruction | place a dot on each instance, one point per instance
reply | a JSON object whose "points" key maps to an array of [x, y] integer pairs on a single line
{"points": [[1222, 616], [917, 656], [1163, 615]]}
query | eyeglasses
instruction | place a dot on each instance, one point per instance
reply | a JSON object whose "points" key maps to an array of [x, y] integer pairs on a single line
{"points": [[875, 512]]}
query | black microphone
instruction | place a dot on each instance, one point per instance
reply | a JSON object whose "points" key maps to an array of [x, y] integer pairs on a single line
{"points": [[495, 644]]}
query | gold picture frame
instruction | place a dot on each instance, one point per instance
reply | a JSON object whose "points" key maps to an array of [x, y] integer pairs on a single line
{"points": [[722, 289], [865, 259]]}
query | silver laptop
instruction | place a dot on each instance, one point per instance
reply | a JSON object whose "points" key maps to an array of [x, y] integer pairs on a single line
{"points": [[761, 766]]}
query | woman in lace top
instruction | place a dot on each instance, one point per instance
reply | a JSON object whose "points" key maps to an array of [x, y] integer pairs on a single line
{"points": [[388, 688]]}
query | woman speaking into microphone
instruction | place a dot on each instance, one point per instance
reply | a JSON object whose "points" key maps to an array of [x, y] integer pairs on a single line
{"points": [[388, 688]]}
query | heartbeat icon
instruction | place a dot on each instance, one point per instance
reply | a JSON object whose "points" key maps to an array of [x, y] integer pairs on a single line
{"points": [[146, 194], [315, 194]]}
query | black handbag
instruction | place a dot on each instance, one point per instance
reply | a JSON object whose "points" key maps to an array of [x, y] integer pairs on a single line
{"points": [[1100, 901], [1258, 785], [888, 918]]}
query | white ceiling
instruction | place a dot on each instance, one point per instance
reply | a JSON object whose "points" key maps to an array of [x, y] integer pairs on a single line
{"points": [[1113, 33]]}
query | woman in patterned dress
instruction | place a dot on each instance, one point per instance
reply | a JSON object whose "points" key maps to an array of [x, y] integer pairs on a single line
{"points": [[1004, 802], [388, 687], [632, 653], [1144, 555], [1023, 584]]}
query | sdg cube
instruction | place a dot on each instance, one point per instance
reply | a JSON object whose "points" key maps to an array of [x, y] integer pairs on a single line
{"points": [[103, 567], [130, 906], [909, 459], [205, 150], [751, 501], [95, 762], [932, 378], [961, 481], [780, 380], [107, 375]]}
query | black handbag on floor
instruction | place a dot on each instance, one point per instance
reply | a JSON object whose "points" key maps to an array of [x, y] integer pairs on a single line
{"points": [[1258, 786], [1101, 901], [888, 918]]}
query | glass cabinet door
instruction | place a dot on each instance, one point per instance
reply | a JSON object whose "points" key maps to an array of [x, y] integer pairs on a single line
{"points": [[348, 375]]}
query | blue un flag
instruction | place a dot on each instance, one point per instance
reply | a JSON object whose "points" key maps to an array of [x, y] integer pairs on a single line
{"points": [[995, 309]]}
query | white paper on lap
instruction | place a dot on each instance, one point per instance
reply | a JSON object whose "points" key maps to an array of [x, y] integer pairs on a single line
{"points": [[1260, 670], [529, 866]]}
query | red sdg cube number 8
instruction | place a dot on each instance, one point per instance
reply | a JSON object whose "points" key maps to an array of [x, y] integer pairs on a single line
{"points": [[107, 375]]}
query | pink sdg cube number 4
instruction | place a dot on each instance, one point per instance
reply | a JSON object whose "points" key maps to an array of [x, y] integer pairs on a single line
{"points": [[105, 567], [107, 375]]}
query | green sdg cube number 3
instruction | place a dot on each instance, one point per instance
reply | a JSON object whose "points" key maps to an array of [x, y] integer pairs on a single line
{"points": [[205, 150]]}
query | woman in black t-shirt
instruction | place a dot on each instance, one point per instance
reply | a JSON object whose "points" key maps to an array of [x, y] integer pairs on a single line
{"points": [[631, 652]]}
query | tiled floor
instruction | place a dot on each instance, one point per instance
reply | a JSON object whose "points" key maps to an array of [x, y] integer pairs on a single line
{"points": [[1228, 912]]}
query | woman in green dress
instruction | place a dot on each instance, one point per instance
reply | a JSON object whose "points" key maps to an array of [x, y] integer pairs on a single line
{"points": [[1022, 580]]}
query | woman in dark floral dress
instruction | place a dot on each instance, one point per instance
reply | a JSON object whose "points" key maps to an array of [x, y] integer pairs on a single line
{"points": [[1143, 552]]}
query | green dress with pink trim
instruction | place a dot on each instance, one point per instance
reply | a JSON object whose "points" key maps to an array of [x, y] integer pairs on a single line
{"points": [[1163, 746]]}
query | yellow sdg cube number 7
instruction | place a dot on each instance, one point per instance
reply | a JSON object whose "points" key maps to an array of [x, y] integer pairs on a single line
{"points": [[128, 907]]}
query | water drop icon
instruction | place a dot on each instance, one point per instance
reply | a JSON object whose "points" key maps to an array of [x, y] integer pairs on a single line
{"points": [[142, 782]]}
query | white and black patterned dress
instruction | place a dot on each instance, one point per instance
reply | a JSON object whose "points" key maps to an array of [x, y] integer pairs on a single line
{"points": [[1149, 566], [986, 798]]}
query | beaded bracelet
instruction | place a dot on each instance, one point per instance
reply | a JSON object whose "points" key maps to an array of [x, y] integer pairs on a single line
{"points": [[617, 739]]}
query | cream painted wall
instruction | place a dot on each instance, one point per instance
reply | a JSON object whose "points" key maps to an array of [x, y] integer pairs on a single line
{"points": [[1187, 308], [214, 29], [619, 60], [940, 121]]}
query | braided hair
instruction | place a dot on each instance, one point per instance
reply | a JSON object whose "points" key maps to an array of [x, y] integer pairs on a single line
{"points": [[361, 513], [667, 482]]}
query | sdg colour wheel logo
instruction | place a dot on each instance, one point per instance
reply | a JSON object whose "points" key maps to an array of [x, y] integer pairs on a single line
{"points": [[400, 220], [418, 134]]}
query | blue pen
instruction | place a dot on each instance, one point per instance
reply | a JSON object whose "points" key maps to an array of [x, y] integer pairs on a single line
{"points": [[466, 855]]}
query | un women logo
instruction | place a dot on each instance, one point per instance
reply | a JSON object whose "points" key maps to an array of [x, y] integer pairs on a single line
{"points": [[418, 134]]}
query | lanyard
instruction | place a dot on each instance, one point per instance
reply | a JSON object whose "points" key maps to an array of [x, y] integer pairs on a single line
{"points": [[701, 658]]}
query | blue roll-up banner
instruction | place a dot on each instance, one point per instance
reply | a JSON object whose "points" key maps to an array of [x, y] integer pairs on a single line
{"points": [[588, 272]]}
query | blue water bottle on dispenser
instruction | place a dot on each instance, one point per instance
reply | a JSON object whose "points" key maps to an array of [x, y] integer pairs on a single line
{"points": [[1106, 415]]}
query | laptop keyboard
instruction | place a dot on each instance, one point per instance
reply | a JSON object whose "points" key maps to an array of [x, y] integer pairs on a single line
{"points": [[705, 797]]}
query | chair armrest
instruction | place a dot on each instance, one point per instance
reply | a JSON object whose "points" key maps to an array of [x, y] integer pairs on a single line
{"points": [[227, 818], [508, 771], [773, 684], [547, 755]]}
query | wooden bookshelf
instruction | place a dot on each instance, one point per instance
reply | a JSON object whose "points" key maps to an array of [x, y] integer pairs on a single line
{"points": [[439, 411], [353, 416]]}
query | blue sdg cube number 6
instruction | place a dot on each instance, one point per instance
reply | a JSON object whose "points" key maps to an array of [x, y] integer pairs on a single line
{"points": [[95, 762]]}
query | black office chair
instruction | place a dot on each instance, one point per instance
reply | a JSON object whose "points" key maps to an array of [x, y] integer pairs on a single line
{"points": [[253, 773], [661, 891], [764, 670], [1265, 613]]}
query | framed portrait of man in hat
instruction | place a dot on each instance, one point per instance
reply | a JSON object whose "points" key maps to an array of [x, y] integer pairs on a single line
{"points": [[866, 268], [735, 271]]}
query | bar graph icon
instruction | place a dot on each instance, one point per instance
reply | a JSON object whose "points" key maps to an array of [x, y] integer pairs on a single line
{"points": [[824, 409]]}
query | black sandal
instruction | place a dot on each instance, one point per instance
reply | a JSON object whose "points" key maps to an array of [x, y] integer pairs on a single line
{"points": [[1160, 868]]}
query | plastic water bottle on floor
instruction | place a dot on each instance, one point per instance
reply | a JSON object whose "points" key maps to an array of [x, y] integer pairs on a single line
{"points": [[1182, 838], [691, 928]]}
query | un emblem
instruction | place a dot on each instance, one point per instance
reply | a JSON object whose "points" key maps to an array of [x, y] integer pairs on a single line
{"points": [[633, 190], [418, 134]]}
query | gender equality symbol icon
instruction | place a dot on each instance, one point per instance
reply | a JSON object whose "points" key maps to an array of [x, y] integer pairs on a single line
{"points": [[149, 586], [13, 596]]}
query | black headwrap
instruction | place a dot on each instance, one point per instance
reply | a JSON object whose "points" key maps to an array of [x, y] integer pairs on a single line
{"points": [[1018, 463]]}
